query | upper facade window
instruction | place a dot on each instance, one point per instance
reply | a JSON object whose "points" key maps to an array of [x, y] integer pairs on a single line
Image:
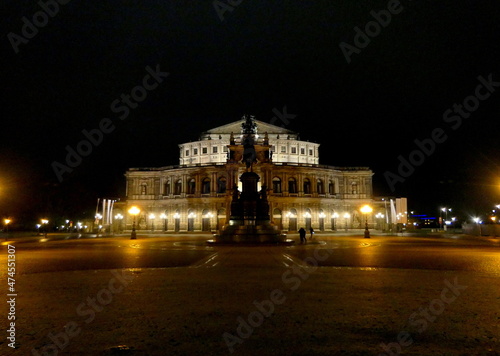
{"points": [[211, 143]]}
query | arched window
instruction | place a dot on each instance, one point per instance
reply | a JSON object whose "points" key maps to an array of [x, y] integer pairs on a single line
{"points": [[205, 186], [166, 188], [191, 186], [221, 185], [319, 187], [307, 186], [292, 185], [276, 185], [178, 187], [331, 187], [354, 188]]}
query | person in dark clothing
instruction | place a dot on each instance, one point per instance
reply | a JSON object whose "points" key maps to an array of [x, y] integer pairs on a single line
{"points": [[302, 234], [311, 230]]}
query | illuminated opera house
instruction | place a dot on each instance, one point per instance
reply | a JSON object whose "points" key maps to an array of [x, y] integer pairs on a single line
{"points": [[195, 194]]}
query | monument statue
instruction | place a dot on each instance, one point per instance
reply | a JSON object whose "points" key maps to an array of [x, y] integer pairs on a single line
{"points": [[249, 220]]}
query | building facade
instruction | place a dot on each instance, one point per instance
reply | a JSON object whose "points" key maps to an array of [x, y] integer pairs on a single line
{"points": [[195, 195]]}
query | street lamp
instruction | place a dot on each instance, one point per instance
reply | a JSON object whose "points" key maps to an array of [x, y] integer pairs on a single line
{"points": [[6, 223], [164, 217], [45, 222], [478, 222], [119, 217], [134, 211], [335, 216], [152, 218], [366, 209], [445, 210], [98, 217], [346, 217], [380, 218]]}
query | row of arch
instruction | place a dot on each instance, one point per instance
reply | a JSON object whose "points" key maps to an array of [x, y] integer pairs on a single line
{"points": [[175, 188], [176, 220]]}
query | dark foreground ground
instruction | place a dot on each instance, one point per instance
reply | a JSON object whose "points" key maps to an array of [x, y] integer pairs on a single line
{"points": [[339, 295]]}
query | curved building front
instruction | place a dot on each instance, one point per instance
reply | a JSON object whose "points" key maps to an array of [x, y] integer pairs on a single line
{"points": [[195, 195]]}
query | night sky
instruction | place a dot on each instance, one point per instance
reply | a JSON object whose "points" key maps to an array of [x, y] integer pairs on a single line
{"points": [[261, 57]]}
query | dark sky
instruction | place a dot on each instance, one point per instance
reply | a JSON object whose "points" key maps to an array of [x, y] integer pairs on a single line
{"points": [[264, 55]]}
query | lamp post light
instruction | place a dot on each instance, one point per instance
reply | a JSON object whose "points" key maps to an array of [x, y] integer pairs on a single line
{"points": [[380, 218], [346, 217], [152, 218], [134, 211], [164, 217], [478, 222], [445, 210], [6, 223], [366, 209], [44, 224], [335, 217], [98, 217], [119, 217]]}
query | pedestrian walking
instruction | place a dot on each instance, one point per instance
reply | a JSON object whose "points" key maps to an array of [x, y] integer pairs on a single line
{"points": [[311, 230], [302, 234]]}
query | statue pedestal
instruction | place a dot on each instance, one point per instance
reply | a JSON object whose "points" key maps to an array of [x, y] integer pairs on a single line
{"points": [[249, 222]]}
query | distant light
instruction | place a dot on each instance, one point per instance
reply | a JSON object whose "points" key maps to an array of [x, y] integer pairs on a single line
{"points": [[134, 210], [366, 209]]}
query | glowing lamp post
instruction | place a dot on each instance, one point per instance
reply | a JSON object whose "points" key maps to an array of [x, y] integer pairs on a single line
{"points": [[98, 217], [478, 222], [335, 217], [119, 217], [6, 223], [152, 218], [346, 217], [44, 224], [134, 211], [380, 218], [163, 216], [366, 209]]}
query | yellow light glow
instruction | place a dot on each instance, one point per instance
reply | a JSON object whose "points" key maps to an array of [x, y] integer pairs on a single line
{"points": [[366, 209], [134, 210]]}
